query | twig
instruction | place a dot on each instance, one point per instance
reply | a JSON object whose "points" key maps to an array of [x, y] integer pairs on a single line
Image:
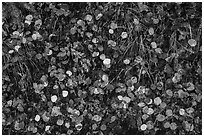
{"points": [[117, 76], [184, 47], [130, 68], [129, 45], [140, 73], [190, 31], [54, 25]]}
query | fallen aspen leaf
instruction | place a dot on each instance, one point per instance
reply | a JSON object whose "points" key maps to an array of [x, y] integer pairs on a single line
{"points": [[192, 42], [143, 127], [151, 31]]}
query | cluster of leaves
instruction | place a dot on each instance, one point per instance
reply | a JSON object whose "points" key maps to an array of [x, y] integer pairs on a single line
{"points": [[102, 68]]}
